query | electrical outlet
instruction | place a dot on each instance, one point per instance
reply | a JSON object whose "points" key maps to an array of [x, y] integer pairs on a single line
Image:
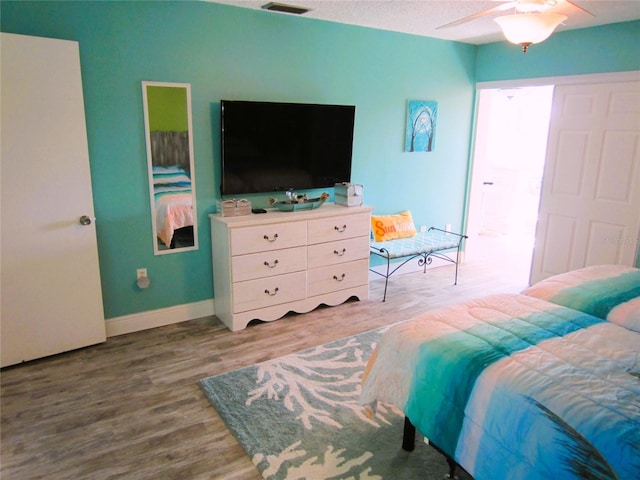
{"points": [[423, 228], [447, 228], [141, 272]]}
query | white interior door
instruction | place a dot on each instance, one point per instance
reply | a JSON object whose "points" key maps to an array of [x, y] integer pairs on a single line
{"points": [[51, 299], [590, 201]]}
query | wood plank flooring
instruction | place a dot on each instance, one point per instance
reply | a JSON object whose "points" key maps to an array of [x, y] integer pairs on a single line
{"points": [[131, 408]]}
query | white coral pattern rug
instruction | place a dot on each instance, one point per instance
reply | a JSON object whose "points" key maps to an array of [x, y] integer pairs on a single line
{"points": [[298, 417]]}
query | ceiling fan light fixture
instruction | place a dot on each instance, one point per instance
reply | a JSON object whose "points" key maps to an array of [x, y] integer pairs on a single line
{"points": [[528, 28]]}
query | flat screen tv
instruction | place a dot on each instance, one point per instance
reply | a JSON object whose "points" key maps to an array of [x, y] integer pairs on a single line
{"points": [[273, 147]]}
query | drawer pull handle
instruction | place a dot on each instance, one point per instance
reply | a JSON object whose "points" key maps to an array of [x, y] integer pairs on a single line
{"points": [[271, 265], [273, 239], [340, 230], [339, 279], [344, 250], [275, 291]]}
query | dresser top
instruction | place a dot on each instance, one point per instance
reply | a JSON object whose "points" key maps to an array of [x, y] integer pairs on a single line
{"points": [[277, 216]]}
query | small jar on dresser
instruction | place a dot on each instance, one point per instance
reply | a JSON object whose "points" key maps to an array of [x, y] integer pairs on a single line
{"points": [[266, 265]]}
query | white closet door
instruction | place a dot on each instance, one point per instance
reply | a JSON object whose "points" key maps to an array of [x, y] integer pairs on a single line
{"points": [[51, 300], [590, 201]]}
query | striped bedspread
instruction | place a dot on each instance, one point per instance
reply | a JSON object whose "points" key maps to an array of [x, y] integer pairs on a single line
{"points": [[173, 200], [611, 292], [513, 387], [173, 212]]}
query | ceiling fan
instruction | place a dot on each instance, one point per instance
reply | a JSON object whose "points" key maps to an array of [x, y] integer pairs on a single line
{"points": [[532, 22]]}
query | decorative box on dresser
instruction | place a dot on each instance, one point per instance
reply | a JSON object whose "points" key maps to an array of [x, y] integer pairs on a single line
{"points": [[266, 265]]}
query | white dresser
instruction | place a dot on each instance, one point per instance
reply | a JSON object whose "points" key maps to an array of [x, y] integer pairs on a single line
{"points": [[266, 265]]}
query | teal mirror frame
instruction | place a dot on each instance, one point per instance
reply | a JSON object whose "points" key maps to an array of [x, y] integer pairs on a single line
{"points": [[170, 164]]}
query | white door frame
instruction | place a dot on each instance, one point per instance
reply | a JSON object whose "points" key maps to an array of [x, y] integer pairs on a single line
{"points": [[563, 80]]}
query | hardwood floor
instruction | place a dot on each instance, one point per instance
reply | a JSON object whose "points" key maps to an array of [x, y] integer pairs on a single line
{"points": [[131, 408]]}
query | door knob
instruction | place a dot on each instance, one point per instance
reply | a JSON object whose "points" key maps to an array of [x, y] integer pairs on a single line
{"points": [[85, 220]]}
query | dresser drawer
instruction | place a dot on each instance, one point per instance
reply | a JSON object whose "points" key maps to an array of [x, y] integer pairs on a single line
{"points": [[265, 292], [337, 277], [341, 251], [267, 264], [323, 230], [267, 237]]}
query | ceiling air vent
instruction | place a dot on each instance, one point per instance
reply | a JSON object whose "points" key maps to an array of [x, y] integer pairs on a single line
{"points": [[281, 7]]}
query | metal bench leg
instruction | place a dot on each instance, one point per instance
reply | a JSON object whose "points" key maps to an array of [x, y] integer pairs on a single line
{"points": [[455, 282], [386, 280]]}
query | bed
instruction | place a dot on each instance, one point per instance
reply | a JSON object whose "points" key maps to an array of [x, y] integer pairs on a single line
{"points": [[173, 201], [515, 387], [172, 186], [611, 292]]}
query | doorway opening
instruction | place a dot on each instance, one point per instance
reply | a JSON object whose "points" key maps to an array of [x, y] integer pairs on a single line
{"points": [[508, 163]]}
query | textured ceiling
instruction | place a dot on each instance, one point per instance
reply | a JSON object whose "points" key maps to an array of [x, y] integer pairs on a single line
{"points": [[422, 17]]}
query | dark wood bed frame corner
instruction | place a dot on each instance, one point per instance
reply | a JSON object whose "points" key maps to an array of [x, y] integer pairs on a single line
{"points": [[409, 444]]}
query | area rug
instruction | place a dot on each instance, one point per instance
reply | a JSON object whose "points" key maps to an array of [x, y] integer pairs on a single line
{"points": [[298, 417]]}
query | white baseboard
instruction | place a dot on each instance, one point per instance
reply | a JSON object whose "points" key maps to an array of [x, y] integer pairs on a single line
{"points": [[158, 318], [181, 313]]}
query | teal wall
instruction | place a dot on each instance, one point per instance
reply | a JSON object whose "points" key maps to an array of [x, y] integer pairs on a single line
{"points": [[608, 48], [226, 52], [233, 53]]}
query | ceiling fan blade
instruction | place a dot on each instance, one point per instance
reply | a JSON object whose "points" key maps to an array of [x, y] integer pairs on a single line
{"points": [[498, 8], [575, 5]]}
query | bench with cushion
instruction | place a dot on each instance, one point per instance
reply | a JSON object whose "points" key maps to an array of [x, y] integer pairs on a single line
{"points": [[395, 237]]}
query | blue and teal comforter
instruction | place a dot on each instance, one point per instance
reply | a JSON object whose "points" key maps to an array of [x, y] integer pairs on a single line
{"points": [[173, 201], [514, 387], [611, 292]]}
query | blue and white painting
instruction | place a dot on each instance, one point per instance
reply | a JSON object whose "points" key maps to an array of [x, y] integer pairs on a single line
{"points": [[422, 118]]}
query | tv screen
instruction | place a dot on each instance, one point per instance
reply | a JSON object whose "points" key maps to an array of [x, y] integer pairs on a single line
{"points": [[272, 147]]}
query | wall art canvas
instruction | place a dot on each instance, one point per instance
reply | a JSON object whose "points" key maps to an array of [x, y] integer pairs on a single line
{"points": [[422, 119]]}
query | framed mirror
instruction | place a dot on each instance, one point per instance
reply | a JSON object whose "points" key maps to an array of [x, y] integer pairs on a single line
{"points": [[172, 183]]}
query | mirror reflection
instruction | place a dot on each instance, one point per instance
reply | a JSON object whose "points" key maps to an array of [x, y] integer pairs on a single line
{"points": [[167, 108]]}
